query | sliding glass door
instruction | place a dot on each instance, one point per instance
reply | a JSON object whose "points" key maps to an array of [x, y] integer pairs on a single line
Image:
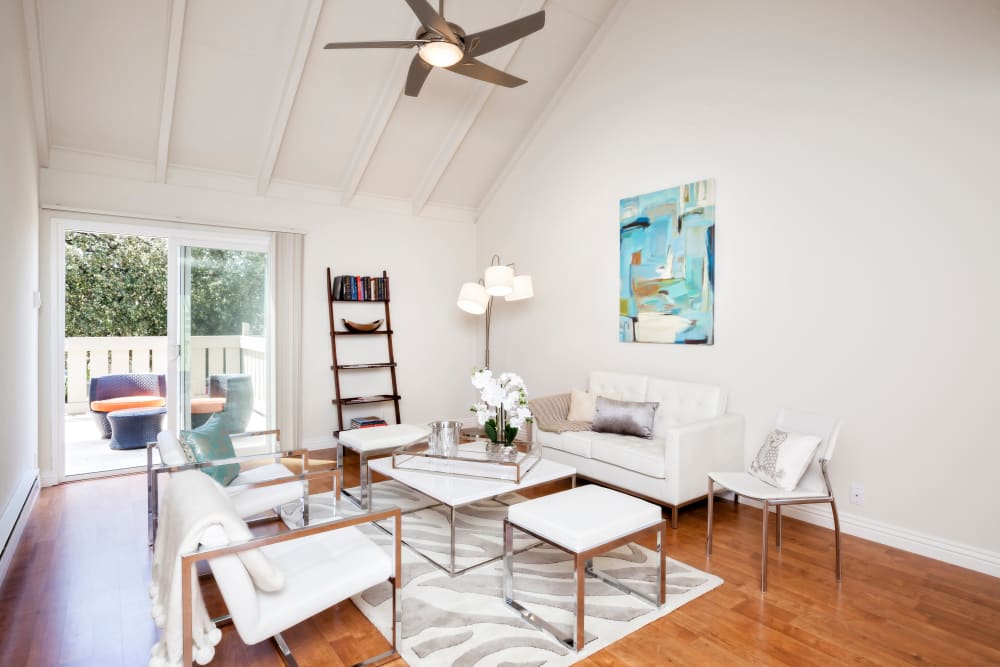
{"points": [[223, 327], [189, 307]]}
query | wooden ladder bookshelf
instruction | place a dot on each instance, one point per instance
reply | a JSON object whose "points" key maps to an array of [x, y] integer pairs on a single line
{"points": [[385, 330]]}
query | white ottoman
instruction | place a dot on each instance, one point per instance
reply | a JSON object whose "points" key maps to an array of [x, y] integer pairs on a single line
{"points": [[585, 522], [375, 440]]}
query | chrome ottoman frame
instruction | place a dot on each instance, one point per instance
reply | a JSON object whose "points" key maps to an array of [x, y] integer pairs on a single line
{"points": [[583, 565]]}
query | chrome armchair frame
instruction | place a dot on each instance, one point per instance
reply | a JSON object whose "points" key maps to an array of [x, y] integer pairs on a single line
{"points": [[153, 473], [189, 577], [778, 503]]}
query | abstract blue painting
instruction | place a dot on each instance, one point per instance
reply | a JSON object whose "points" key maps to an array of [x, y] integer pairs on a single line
{"points": [[667, 266]]}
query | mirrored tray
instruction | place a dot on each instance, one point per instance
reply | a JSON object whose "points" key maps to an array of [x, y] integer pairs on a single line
{"points": [[479, 458]]}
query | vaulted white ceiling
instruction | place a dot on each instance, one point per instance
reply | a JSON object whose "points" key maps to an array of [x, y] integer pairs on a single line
{"points": [[239, 95]]}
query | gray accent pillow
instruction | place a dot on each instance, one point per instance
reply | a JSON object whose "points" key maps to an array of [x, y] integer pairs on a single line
{"points": [[625, 417]]}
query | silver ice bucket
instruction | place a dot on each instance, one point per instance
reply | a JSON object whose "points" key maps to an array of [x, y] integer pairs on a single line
{"points": [[444, 437]]}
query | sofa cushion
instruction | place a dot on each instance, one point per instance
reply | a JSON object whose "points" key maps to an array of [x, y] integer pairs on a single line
{"points": [[583, 405], [629, 386], [636, 454], [551, 414], [683, 402], [625, 417], [573, 442]]}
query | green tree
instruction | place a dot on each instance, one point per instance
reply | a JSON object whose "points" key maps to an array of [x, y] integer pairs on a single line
{"points": [[115, 285], [227, 290]]}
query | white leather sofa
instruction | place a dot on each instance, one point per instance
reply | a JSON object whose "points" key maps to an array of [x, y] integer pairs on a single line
{"points": [[692, 435]]}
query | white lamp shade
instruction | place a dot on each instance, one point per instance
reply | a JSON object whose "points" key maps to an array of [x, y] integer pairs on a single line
{"points": [[523, 289], [440, 54], [499, 280], [472, 298]]}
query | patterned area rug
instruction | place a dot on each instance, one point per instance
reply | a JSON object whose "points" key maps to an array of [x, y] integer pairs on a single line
{"points": [[463, 621]]}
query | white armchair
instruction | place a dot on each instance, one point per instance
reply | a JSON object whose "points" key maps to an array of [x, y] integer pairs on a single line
{"points": [[254, 490], [813, 487], [268, 584]]}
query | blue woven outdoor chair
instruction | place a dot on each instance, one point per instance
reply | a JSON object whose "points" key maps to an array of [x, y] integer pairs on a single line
{"points": [[109, 393]]}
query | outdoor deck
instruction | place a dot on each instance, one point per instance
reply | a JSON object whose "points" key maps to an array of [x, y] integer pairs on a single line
{"points": [[85, 451]]}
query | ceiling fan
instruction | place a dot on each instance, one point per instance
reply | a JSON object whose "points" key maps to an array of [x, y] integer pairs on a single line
{"points": [[444, 44]]}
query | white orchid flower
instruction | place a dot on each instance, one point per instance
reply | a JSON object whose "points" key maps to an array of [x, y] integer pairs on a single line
{"points": [[493, 395], [510, 401], [481, 378], [503, 399]]}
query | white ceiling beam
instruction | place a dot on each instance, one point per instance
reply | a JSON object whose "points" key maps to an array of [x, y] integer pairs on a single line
{"points": [[388, 98], [307, 32], [174, 39], [36, 74], [466, 118], [529, 137]]}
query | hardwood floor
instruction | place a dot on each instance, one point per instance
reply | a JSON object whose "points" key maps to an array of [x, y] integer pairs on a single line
{"points": [[76, 595]]}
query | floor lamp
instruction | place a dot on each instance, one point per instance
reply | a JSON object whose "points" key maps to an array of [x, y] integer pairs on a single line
{"points": [[498, 280]]}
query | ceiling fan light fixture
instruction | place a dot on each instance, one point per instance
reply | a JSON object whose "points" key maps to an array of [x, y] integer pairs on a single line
{"points": [[441, 54]]}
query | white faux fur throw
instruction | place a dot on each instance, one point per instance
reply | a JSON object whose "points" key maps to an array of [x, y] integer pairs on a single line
{"points": [[193, 504]]}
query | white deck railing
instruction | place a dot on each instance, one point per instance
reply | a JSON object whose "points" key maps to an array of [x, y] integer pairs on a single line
{"points": [[210, 355]]}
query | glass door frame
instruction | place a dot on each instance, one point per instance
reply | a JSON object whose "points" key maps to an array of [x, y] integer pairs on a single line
{"points": [[55, 224]]}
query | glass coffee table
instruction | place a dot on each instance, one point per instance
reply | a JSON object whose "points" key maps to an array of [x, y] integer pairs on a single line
{"points": [[458, 488]]}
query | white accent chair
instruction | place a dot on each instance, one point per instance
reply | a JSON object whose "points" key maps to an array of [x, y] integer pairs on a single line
{"points": [[253, 491], [813, 487], [322, 565]]}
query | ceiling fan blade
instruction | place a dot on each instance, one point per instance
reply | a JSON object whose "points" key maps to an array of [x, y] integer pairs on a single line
{"points": [[418, 74], [431, 19], [376, 45], [490, 40], [477, 70]]}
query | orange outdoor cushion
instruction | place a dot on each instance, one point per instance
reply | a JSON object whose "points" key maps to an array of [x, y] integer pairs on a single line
{"points": [[207, 405], [125, 402]]}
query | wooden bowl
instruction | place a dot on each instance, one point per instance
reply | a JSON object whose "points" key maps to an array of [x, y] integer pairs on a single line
{"points": [[362, 327]]}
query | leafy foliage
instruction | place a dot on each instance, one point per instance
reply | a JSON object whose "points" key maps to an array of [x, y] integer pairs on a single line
{"points": [[117, 286], [227, 289]]}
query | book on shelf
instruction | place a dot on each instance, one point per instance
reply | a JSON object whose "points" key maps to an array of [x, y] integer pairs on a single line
{"points": [[360, 288], [367, 422]]}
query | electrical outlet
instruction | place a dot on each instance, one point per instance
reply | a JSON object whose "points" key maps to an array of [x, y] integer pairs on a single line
{"points": [[857, 494]]}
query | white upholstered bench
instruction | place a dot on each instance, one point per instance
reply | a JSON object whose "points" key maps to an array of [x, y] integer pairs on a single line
{"points": [[367, 442], [584, 522]]}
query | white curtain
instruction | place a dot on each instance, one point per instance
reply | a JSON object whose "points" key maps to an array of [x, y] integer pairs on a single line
{"points": [[288, 248]]}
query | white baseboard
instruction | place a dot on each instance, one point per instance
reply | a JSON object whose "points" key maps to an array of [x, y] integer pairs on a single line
{"points": [[955, 553], [14, 517], [48, 478]]}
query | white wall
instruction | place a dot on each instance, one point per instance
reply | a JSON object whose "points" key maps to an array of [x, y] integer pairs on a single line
{"points": [[427, 260], [18, 271], [857, 151]]}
